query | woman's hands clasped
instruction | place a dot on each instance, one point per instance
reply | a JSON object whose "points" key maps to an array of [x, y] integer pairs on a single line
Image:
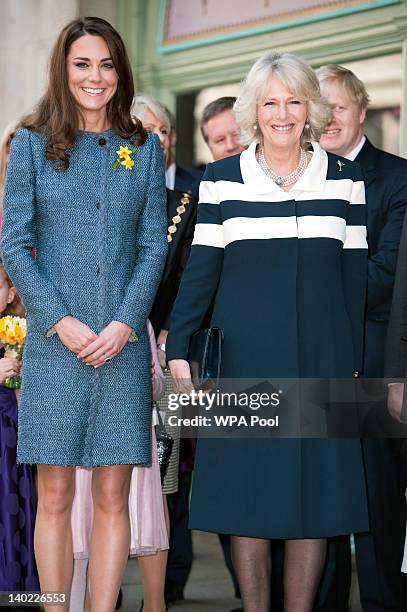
{"points": [[74, 334], [93, 349], [107, 345]]}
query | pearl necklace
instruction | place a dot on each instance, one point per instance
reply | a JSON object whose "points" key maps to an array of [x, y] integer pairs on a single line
{"points": [[289, 179]]}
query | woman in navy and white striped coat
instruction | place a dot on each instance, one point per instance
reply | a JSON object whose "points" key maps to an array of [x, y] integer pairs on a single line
{"points": [[280, 246]]}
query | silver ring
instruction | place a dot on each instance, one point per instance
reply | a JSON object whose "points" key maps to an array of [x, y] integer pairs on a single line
{"points": [[108, 359]]}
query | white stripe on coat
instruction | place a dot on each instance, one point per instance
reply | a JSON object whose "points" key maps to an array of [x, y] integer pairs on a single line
{"points": [[264, 228], [208, 234], [341, 189], [267, 228], [358, 193], [322, 227], [207, 193], [356, 237]]}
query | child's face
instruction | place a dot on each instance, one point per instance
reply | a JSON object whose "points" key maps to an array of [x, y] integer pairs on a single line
{"points": [[7, 294]]}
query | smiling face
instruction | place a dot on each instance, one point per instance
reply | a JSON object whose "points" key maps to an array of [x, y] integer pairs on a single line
{"points": [[153, 124], [92, 77], [281, 116], [345, 129], [222, 134]]}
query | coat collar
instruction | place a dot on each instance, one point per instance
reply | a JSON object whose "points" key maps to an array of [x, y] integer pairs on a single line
{"points": [[367, 161], [313, 179], [367, 156]]}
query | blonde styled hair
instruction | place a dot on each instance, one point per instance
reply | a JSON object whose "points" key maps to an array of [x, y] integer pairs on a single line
{"points": [[348, 79], [298, 77], [5, 145], [141, 102]]}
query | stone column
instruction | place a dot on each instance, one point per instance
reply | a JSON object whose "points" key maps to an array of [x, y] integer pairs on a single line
{"points": [[28, 29]]}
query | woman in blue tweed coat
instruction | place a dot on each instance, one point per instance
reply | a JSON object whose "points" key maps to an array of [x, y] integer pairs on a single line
{"points": [[99, 229]]}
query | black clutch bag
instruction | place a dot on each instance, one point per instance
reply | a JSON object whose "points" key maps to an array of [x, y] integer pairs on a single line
{"points": [[165, 442], [205, 356]]}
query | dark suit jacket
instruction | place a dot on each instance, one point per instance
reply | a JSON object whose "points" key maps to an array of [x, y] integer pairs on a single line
{"points": [[385, 178], [188, 179], [178, 253], [396, 348]]}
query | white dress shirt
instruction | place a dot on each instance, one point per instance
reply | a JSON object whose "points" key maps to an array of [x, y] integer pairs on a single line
{"points": [[170, 176], [355, 152]]}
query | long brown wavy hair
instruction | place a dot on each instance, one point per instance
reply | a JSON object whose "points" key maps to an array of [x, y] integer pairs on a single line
{"points": [[57, 115]]}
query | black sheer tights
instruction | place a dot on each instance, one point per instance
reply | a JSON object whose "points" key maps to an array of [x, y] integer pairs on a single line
{"points": [[303, 564]]}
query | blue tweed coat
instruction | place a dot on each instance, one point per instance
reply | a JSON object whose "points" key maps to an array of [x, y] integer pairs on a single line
{"points": [[101, 246]]}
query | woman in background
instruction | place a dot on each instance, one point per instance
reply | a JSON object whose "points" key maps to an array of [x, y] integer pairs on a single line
{"points": [[155, 120]]}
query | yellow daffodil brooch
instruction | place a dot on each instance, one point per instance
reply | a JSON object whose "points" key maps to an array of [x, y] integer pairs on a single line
{"points": [[124, 158]]}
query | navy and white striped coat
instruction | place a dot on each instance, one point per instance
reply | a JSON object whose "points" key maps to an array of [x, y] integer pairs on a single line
{"points": [[287, 274], [293, 263]]}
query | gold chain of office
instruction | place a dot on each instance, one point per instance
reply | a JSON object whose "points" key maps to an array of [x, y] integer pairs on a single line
{"points": [[184, 201]]}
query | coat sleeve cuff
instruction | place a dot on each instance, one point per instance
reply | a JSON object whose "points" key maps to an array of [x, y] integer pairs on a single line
{"points": [[51, 331], [135, 334]]}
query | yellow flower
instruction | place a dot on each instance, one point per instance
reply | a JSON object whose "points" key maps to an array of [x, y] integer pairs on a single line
{"points": [[18, 334], [12, 330], [124, 152], [127, 163], [124, 158]]}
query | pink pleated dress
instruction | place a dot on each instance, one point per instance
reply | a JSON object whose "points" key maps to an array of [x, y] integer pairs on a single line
{"points": [[147, 522]]}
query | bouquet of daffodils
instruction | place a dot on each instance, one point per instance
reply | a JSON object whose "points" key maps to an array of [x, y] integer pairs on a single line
{"points": [[12, 336]]}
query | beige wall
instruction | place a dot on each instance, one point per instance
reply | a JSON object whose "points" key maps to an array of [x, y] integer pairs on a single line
{"points": [[107, 9], [28, 29]]}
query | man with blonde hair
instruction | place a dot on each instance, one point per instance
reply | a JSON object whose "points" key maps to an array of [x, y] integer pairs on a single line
{"points": [[379, 552]]}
